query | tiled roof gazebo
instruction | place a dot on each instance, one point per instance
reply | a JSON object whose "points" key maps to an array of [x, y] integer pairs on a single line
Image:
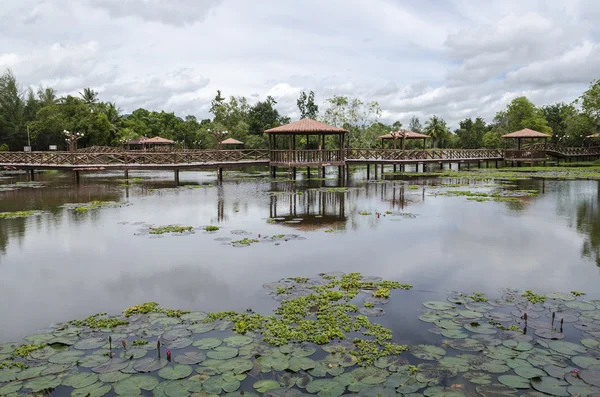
{"points": [[529, 154], [403, 135]]}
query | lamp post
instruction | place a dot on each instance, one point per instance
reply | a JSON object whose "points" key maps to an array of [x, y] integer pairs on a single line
{"points": [[72, 138], [219, 135]]}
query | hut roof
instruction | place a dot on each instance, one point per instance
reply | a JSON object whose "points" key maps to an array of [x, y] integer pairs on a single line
{"points": [[231, 141], [596, 135], [306, 126], [403, 134], [526, 133], [158, 140], [137, 141]]}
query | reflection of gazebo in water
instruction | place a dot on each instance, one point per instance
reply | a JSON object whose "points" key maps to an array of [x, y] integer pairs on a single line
{"points": [[529, 154], [144, 143], [314, 209], [321, 157], [404, 135], [231, 143]]}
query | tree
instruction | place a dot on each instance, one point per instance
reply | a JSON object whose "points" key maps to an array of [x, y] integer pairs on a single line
{"points": [[590, 101], [397, 125], [89, 96], [307, 106], [47, 96], [355, 116], [415, 124], [263, 116], [492, 140], [12, 112], [521, 113], [436, 128], [470, 134]]}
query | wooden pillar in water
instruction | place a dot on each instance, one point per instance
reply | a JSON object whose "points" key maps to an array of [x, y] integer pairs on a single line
{"points": [[375, 171], [126, 174], [294, 173], [77, 177], [176, 172], [31, 174], [458, 165], [478, 164], [496, 163], [368, 171], [394, 167], [308, 172]]}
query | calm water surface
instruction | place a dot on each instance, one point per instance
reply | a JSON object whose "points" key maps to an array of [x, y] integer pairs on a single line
{"points": [[65, 265]]}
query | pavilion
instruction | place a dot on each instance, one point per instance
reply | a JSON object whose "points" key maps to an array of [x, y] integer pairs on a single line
{"points": [[531, 154], [144, 143], [403, 135], [232, 142]]}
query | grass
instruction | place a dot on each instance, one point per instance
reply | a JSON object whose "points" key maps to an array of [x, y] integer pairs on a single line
{"points": [[170, 229], [17, 214], [211, 228], [246, 241]]}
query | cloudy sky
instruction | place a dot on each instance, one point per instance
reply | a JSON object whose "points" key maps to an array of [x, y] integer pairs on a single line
{"points": [[453, 58]]}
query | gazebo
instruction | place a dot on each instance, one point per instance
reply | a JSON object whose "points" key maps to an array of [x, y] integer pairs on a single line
{"points": [[403, 135], [144, 142], [290, 157], [530, 154], [232, 142]]}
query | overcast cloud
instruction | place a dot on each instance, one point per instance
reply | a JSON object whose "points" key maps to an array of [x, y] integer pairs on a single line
{"points": [[455, 59]]}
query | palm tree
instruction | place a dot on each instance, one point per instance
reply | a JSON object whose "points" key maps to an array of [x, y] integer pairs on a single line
{"points": [[89, 96], [436, 128], [47, 96]]}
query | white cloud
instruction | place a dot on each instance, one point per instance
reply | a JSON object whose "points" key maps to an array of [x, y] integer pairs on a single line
{"points": [[452, 59]]}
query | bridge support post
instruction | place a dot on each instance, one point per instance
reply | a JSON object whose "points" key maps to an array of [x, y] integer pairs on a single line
{"points": [[294, 173], [220, 174], [478, 164], [496, 163], [368, 171], [176, 174], [394, 167], [376, 171], [308, 172], [340, 172], [382, 165], [458, 165], [450, 166], [31, 174], [77, 177], [126, 174], [322, 172]]}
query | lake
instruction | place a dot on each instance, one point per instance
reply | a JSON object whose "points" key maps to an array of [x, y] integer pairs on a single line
{"points": [[66, 264]]}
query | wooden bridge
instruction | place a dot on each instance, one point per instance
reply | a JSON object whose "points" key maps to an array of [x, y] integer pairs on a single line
{"points": [[106, 159]]}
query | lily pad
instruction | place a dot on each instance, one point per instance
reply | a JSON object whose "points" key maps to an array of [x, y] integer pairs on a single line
{"points": [[585, 361], [514, 381], [95, 390], [150, 364], [89, 344], [222, 353], [207, 343], [115, 364], [298, 350], [567, 348], [494, 366], [201, 328], [182, 388], [82, 379], [113, 377], [9, 374], [301, 363], [10, 388], [560, 295], [549, 385], [175, 334], [178, 371], [428, 352], [236, 365], [31, 372], [583, 391], [529, 372], [190, 358], [582, 306], [496, 391], [371, 311], [518, 346], [325, 388], [443, 392], [263, 386], [238, 341], [454, 334], [42, 383], [549, 334], [216, 384], [135, 384], [481, 328], [478, 378], [591, 377], [274, 361], [66, 357], [438, 305], [178, 343], [468, 345], [46, 352]]}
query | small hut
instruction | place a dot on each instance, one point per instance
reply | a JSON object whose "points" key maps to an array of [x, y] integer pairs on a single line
{"points": [[530, 154], [526, 133], [403, 135], [232, 143], [144, 143]]}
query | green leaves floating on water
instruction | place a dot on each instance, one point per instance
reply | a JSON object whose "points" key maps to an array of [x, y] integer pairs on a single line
{"points": [[175, 372], [549, 385], [135, 384], [325, 388]]}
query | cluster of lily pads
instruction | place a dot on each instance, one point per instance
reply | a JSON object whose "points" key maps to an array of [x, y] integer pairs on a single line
{"points": [[504, 196], [19, 214], [93, 205], [501, 347]]}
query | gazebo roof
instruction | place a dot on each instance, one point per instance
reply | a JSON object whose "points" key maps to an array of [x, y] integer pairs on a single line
{"points": [[137, 141], [231, 141], [306, 126], [403, 134], [526, 133], [158, 140]]}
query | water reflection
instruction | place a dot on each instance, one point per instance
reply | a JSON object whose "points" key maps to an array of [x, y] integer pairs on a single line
{"points": [[66, 265]]}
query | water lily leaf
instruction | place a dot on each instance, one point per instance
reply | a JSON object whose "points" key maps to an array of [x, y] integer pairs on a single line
{"points": [[591, 343], [514, 381], [222, 353], [479, 378], [454, 334], [448, 324], [549, 334], [275, 362], [283, 392], [481, 328], [342, 359], [573, 379], [583, 391], [583, 306], [31, 372], [438, 305], [539, 360], [68, 332], [115, 364], [8, 374], [470, 314], [494, 366], [500, 352], [66, 357], [325, 388], [178, 343], [499, 316], [529, 372], [82, 379], [238, 340], [428, 352], [207, 343], [301, 350], [468, 345], [42, 383], [134, 353], [300, 379], [216, 384], [560, 295], [36, 339], [182, 388], [190, 358], [301, 363], [371, 311], [112, 377], [430, 317], [567, 348], [135, 384], [95, 390], [591, 377], [173, 334], [518, 346], [93, 360], [549, 385], [46, 352], [518, 362], [201, 328], [263, 386], [89, 344], [10, 388], [236, 365], [443, 392], [496, 391], [455, 363], [555, 371], [150, 364], [370, 375], [585, 361], [178, 371]]}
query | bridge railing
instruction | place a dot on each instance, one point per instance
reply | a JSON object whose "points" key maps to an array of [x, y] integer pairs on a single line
{"points": [[521, 154], [133, 157], [306, 156], [424, 155], [566, 150]]}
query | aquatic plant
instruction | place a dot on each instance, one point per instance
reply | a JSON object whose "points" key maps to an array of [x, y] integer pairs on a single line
{"points": [[17, 214], [245, 241], [25, 350], [478, 297], [577, 293], [381, 293], [534, 298], [140, 342], [413, 187], [93, 205], [170, 229], [211, 228], [364, 213], [153, 307], [271, 220], [98, 321], [388, 212], [329, 230], [369, 304]]}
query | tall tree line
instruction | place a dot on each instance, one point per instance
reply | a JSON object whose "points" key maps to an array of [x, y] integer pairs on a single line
{"points": [[40, 116]]}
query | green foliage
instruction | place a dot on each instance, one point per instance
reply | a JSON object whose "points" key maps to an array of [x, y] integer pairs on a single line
{"points": [[307, 106], [369, 304], [478, 297], [211, 228], [492, 140], [171, 229], [470, 133], [534, 298], [98, 321], [577, 293], [17, 214], [437, 129], [153, 307], [140, 342], [24, 350], [590, 101], [4, 147], [381, 293], [354, 115], [246, 241], [521, 113]]}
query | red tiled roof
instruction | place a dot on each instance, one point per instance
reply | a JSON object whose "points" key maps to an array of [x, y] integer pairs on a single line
{"points": [[158, 139], [231, 141], [407, 135], [308, 126], [526, 133]]}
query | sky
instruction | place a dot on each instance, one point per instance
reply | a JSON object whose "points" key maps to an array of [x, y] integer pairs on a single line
{"points": [[451, 58]]}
